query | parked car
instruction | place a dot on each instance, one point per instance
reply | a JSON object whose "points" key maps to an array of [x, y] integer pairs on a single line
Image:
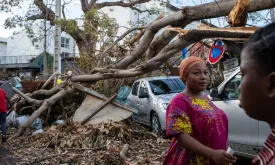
{"points": [[246, 135], [151, 96]]}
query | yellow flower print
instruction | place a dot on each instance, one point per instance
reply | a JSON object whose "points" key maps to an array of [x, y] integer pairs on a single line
{"points": [[202, 103], [182, 124], [199, 160]]}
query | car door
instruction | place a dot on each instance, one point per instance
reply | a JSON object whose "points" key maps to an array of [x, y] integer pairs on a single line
{"points": [[144, 103], [133, 97], [243, 131]]}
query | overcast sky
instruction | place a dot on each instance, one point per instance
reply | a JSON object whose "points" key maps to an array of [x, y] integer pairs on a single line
{"points": [[73, 11]]}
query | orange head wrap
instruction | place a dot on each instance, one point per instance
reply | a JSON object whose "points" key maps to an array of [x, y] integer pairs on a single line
{"points": [[187, 64]]}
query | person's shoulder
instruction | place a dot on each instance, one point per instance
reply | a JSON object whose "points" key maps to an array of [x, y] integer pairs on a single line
{"points": [[179, 98]]}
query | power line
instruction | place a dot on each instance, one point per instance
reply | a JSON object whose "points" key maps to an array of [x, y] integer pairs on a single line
{"points": [[17, 43]]}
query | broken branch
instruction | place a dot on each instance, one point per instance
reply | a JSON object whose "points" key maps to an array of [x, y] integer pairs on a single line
{"points": [[120, 3], [46, 104], [124, 151], [30, 100], [49, 80], [118, 39]]}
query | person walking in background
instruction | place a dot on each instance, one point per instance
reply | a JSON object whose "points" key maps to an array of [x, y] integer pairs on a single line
{"points": [[3, 113], [257, 88], [199, 129]]}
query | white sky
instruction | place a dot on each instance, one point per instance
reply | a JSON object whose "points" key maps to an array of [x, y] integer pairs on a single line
{"points": [[73, 10]]}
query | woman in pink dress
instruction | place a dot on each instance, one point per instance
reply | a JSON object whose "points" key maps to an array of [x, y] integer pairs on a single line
{"points": [[198, 128]]}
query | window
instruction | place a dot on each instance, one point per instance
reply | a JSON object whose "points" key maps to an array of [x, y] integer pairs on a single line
{"points": [[165, 86], [65, 42], [231, 90], [135, 88], [65, 54], [143, 88]]}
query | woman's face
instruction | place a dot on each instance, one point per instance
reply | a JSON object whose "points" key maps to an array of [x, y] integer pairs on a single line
{"points": [[197, 78], [255, 89]]}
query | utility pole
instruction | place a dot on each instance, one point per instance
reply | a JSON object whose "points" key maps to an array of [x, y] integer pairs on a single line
{"points": [[57, 37], [45, 62], [272, 15]]}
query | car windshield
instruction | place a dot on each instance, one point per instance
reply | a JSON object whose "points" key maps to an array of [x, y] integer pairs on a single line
{"points": [[165, 86]]}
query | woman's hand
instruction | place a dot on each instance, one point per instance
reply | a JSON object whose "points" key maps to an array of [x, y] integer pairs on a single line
{"points": [[222, 158]]}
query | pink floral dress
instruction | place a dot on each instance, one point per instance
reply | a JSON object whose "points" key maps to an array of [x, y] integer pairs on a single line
{"points": [[202, 120]]}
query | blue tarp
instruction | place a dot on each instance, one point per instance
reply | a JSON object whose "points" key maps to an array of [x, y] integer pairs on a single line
{"points": [[123, 93], [184, 53]]}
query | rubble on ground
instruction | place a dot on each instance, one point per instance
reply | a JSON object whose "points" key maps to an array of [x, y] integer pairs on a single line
{"points": [[111, 143]]}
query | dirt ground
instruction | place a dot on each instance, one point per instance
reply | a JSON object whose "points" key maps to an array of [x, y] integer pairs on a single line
{"points": [[96, 145], [6, 156]]}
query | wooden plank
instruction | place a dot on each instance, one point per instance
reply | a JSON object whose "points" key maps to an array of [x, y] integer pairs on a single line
{"points": [[230, 39], [99, 109], [100, 96], [230, 29]]}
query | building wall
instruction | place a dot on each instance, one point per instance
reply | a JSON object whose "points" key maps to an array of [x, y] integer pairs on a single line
{"points": [[70, 51], [121, 14], [19, 49], [3, 48]]}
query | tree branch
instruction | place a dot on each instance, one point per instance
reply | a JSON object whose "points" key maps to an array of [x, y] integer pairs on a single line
{"points": [[51, 17], [63, 9], [167, 52], [30, 100], [84, 5], [181, 18], [36, 17], [46, 104], [141, 11], [107, 50], [121, 3], [49, 92]]}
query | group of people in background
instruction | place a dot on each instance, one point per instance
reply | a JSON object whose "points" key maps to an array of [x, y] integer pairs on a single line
{"points": [[199, 129]]}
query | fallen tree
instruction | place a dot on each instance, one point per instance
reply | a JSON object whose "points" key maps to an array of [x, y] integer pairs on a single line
{"points": [[156, 49]]}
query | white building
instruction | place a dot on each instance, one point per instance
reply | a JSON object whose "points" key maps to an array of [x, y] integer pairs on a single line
{"points": [[3, 47], [18, 48], [68, 47]]}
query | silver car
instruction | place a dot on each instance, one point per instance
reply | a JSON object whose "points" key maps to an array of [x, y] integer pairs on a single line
{"points": [[151, 96], [245, 135]]}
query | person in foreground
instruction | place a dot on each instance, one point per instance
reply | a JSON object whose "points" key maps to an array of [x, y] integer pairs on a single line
{"points": [[198, 128], [257, 88]]}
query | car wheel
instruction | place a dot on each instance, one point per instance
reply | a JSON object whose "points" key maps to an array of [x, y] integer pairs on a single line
{"points": [[155, 124]]}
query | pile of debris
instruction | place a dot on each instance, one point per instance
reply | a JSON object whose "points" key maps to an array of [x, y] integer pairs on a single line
{"points": [[107, 143]]}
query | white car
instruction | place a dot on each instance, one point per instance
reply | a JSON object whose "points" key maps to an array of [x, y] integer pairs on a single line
{"points": [[151, 96], [245, 135]]}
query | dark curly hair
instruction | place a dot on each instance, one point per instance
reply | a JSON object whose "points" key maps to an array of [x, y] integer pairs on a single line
{"points": [[261, 46]]}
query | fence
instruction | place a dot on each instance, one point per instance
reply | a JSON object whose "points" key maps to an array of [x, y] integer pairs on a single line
{"points": [[16, 59]]}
